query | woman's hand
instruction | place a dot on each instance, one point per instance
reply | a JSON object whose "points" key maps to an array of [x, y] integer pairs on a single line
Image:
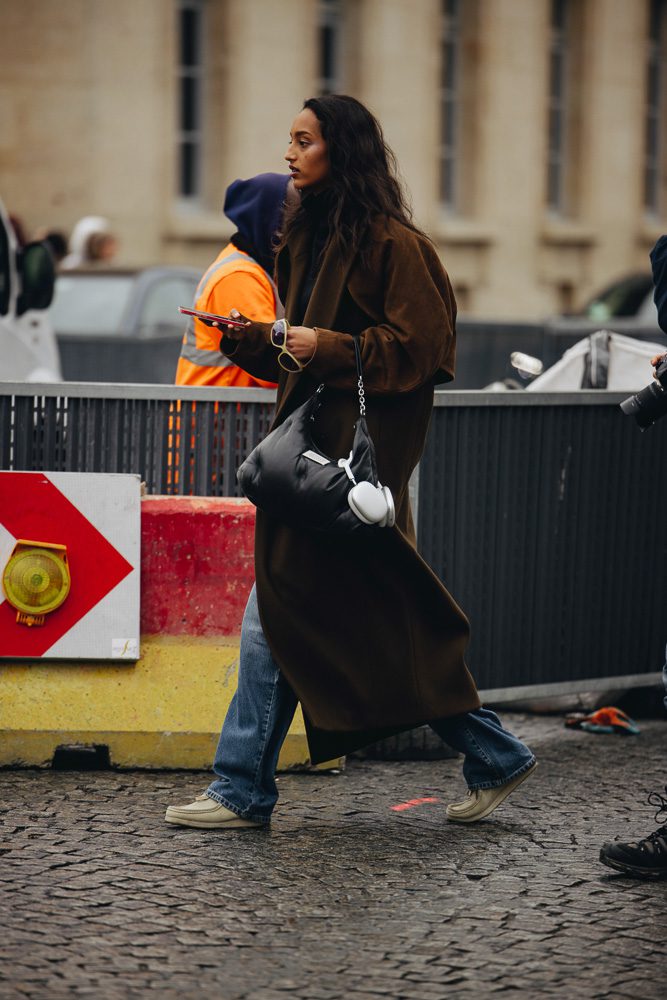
{"points": [[234, 332], [301, 341]]}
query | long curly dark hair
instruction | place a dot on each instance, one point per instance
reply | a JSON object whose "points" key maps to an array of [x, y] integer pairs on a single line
{"points": [[363, 177]]}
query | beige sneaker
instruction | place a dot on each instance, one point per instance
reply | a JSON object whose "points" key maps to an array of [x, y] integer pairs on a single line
{"points": [[482, 801], [206, 814]]}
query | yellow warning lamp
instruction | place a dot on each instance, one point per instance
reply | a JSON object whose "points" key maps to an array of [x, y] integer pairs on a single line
{"points": [[36, 580]]}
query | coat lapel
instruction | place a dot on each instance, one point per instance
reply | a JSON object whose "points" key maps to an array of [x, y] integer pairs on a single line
{"points": [[325, 298]]}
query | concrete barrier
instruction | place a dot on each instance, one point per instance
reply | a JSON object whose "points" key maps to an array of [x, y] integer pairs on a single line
{"points": [[165, 710]]}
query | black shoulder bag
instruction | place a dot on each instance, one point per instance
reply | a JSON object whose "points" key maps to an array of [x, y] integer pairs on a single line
{"points": [[288, 477]]}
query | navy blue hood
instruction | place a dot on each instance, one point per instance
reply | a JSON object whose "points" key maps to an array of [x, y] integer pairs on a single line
{"points": [[255, 207]]}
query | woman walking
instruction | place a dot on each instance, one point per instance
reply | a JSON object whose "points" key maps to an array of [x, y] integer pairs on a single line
{"points": [[356, 627]]}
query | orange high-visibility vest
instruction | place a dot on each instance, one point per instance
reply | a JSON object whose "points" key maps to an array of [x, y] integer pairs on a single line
{"points": [[233, 281]]}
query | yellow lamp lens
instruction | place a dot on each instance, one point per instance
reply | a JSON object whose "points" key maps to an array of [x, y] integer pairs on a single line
{"points": [[36, 581]]}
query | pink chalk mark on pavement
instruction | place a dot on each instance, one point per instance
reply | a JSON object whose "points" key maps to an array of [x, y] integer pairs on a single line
{"points": [[402, 806]]}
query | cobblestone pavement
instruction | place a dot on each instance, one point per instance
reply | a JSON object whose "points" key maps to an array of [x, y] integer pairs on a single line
{"points": [[343, 896]]}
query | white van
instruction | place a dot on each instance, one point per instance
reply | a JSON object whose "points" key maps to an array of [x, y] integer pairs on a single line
{"points": [[28, 348]]}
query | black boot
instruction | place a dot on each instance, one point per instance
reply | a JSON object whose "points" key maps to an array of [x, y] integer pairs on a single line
{"points": [[644, 858]]}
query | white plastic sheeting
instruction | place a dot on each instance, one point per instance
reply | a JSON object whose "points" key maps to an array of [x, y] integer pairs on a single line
{"points": [[615, 362]]}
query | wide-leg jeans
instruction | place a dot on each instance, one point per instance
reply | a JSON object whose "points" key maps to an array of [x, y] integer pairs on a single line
{"points": [[263, 707]]}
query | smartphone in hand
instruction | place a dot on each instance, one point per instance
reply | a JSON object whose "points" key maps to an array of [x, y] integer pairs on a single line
{"points": [[212, 319]]}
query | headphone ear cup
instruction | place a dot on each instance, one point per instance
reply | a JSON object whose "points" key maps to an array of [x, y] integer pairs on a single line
{"points": [[390, 518], [368, 502], [351, 499]]}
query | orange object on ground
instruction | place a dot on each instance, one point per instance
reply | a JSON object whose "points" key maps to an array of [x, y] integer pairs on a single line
{"points": [[605, 720]]}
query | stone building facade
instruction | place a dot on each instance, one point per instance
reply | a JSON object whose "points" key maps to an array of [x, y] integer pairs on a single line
{"points": [[532, 134]]}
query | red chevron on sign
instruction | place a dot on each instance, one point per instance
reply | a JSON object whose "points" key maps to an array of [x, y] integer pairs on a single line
{"points": [[32, 507]]}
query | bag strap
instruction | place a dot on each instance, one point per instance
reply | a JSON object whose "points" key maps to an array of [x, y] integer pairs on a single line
{"points": [[317, 398], [360, 379]]}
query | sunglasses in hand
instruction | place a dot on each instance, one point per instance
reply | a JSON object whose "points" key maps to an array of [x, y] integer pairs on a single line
{"points": [[286, 359]]}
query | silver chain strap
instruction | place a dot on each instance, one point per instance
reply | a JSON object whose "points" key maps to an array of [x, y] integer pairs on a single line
{"points": [[362, 398]]}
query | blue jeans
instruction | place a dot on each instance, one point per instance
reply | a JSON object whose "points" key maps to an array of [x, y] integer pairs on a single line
{"points": [[263, 707]]}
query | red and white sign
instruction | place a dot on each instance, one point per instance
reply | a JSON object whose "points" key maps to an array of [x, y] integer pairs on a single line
{"points": [[97, 517]]}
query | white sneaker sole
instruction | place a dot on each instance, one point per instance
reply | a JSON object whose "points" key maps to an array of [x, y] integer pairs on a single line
{"points": [[502, 790], [176, 819]]}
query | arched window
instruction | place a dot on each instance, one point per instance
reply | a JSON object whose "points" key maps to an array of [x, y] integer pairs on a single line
{"points": [[190, 38], [330, 29], [655, 142], [559, 72], [450, 99], [567, 30], [457, 102]]}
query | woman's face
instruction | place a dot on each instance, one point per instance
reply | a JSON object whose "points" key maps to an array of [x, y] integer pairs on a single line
{"points": [[307, 153]]}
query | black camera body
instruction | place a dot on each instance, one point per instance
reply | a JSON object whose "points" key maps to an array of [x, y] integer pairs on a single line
{"points": [[649, 404]]}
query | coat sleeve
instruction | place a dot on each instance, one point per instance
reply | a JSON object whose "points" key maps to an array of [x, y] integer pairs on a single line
{"points": [[413, 341], [659, 263], [254, 354]]}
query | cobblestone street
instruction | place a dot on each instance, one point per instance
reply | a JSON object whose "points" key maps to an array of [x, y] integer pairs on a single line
{"points": [[343, 896]]}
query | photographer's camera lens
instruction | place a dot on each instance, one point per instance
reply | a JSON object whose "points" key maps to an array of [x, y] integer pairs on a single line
{"points": [[646, 406]]}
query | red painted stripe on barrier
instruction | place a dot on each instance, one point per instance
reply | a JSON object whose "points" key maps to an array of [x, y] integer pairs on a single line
{"points": [[411, 803], [197, 564]]}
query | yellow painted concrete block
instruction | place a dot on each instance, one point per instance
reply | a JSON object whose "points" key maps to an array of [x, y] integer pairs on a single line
{"points": [[163, 711], [190, 751]]}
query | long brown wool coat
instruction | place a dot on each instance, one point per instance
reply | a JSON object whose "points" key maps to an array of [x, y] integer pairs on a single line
{"points": [[365, 633]]}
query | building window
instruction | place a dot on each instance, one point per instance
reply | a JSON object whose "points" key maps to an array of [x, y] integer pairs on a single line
{"points": [[450, 99], [559, 71], [330, 46], [655, 149], [190, 87]]}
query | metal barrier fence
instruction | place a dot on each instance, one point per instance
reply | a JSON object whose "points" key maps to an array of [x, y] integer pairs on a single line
{"points": [[180, 440], [542, 513]]}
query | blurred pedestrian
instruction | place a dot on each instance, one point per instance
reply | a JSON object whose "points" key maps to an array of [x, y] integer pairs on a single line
{"points": [[92, 244], [354, 626], [240, 276], [647, 858]]}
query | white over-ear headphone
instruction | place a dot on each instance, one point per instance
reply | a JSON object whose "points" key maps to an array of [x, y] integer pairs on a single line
{"points": [[373, 504]]}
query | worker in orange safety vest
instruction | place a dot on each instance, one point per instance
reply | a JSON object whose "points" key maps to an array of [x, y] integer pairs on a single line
{"points": [[239, 278]]}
